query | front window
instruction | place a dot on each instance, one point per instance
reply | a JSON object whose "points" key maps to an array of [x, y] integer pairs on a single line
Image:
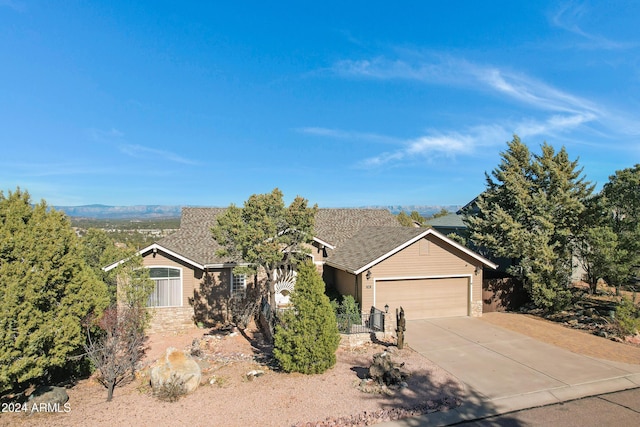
{"points": [[167, 291], [238, 285]]}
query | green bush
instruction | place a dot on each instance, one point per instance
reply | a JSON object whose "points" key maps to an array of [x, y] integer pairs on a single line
{"points": [[628, 317], [347, 313], [171, 390], [306, 339]]}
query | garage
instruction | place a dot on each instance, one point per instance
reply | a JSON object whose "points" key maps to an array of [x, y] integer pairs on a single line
{"points": [[420, 270], [425, 298]]}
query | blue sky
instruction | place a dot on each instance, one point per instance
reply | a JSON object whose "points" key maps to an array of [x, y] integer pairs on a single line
{"points": [[345, 103]]}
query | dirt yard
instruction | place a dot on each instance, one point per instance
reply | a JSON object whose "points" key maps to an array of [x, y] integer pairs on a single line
{"points": [[227, 398]]}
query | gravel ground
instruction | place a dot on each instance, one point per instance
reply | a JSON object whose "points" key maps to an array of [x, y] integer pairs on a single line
{"points": [[228, 398], [577, 341]]}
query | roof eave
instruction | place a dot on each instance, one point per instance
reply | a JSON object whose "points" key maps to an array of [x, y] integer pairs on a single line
{"points": [[156, 247], [322, 242]]}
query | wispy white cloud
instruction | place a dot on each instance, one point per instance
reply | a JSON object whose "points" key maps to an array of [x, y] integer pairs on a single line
{"points": [[468, 143], [350, 135], [569, 16], [39, 169], [15, 5], [140, 151], [565, 111], [531, 92], [117, 138], [443, 70], [424, 146], [102, 135]]}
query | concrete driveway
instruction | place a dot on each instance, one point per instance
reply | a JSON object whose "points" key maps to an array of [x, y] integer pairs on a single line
{"points": [[506, 371]]}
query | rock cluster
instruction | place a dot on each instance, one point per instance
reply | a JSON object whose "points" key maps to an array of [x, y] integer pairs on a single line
{"points": [[367, 418], [588, 320], [385, 371]]}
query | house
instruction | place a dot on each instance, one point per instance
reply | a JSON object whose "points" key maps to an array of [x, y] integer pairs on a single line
{"points": [[450, 223], [359, 252], [418, 269]]}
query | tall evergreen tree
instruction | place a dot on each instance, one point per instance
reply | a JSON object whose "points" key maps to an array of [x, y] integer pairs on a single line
{"points": [[307, 337], [621, 200], [602, 257], [46, 291], [622, 194], [266, 234], [530, 213]]}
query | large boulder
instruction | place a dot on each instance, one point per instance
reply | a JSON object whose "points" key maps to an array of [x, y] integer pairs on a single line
{"points": [[48, 395], [176, 372]]}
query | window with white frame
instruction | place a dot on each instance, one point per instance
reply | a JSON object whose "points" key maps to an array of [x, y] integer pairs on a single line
{"points": [[167, 291], [238, 285]]}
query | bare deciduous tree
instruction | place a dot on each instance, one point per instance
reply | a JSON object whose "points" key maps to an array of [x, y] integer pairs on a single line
{"points": [[118, 346]]}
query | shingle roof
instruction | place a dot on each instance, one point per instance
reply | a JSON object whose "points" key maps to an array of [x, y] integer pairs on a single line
{"points": [[193, 239], [369, 244], [334, 226], [450, 220]]}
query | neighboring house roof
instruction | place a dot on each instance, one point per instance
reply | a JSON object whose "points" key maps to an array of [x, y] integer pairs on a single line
{"points": [[471, 207], [451, 220], [371, 245], [194, 243]]}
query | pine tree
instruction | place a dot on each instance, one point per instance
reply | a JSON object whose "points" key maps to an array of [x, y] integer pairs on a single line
{"points": [[265, 234], [306, 339], [621, 198], [530, 212], [46, 291]]}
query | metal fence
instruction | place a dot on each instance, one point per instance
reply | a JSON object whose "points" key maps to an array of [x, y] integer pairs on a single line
{"points": [[357, 323], [348, 323]]}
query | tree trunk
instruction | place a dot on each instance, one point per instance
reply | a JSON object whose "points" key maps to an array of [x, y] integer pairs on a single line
{"points": [[110, 388], [271, 288]]}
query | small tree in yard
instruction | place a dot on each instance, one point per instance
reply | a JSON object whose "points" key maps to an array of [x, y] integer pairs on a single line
{"points": [[307, 337], [119, 343], [119, 347]]}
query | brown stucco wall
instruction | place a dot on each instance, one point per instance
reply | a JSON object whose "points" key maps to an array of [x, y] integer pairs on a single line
{"points": [[205, 295], [190, 276]]}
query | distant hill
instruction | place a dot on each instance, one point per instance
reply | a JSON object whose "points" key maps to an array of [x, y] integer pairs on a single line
{"points": [[121, 212], [166, 211], [423, 210]]}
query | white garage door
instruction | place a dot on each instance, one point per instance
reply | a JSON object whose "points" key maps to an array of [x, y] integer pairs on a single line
{"points": [[425, 298]]}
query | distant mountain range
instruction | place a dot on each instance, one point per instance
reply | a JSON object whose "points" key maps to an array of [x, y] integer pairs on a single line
{"points": [[121, 212], [423, 210], [162, 211]]}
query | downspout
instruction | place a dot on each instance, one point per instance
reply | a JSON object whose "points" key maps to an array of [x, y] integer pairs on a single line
{"points": [[355, 282]]}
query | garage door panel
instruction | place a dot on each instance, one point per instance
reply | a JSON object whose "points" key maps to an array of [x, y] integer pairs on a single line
{"points": [[425, 298]]}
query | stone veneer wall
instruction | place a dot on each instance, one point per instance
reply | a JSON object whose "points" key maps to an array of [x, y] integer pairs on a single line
{"points": [[476, 308], [356, 340], [171, 319]]}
